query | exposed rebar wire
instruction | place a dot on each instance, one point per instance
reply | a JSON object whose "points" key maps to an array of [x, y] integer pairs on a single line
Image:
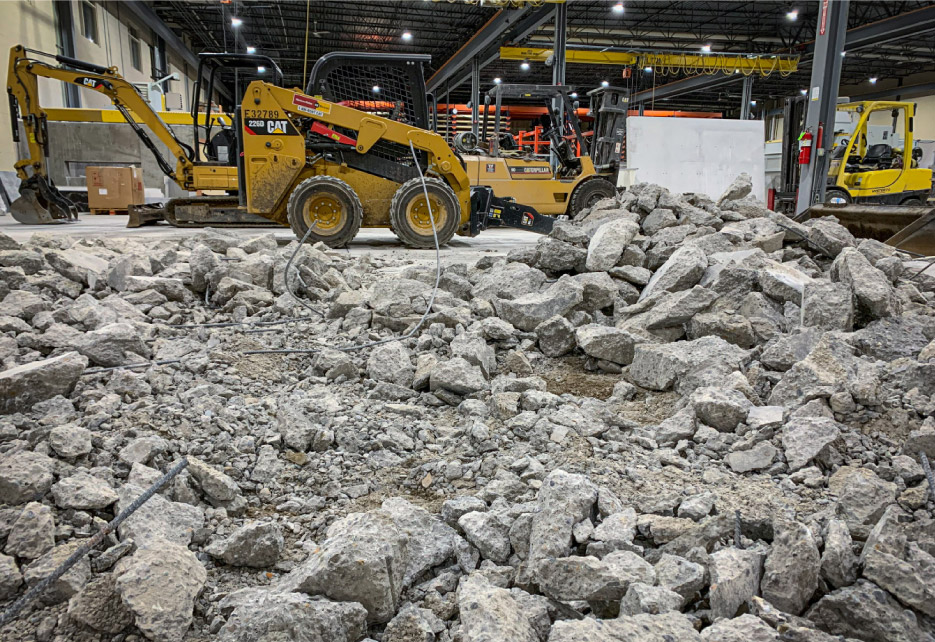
{"points": [[928, 474], [285, 276], [10, 614], [227, 324], [738, 542], [428, 308], [931, 262], [131, 366], [809, 241]]}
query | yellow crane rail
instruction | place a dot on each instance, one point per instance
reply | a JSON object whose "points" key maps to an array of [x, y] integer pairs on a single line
{"points": [[666, 63]]}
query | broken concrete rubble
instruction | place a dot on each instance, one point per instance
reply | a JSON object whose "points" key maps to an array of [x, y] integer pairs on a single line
{"points": [[672, 419]]}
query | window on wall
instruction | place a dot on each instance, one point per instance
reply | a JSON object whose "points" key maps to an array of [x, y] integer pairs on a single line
{"points": [[89, 20], [157, 54], [136, 50]]}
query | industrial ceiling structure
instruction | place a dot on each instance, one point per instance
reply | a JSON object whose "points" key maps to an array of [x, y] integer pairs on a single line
{"points": [[887, 44]]}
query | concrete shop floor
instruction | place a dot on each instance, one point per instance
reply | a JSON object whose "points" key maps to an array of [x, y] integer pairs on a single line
{"points": [[368, 240]]}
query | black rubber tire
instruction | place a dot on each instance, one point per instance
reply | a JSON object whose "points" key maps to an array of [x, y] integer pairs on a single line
{"points": [[912, 201], [445, 229], [837, 192], [336, 188], [588, 193]]}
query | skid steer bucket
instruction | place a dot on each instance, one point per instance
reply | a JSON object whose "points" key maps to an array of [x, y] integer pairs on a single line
{"points": [[40, 203], [905, 227]]}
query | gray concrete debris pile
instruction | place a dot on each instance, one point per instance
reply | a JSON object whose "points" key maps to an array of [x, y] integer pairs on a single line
{"points": [[674, 418]]}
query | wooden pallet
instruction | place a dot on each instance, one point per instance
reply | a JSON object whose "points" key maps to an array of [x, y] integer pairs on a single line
{"points": [[113, 212]]}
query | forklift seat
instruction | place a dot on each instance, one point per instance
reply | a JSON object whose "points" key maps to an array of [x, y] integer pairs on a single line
{"points": [[507, 142], [879, 156]]}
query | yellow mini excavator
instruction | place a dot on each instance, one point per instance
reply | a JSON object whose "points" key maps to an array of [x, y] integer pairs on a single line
{"points": [[301, 161]]}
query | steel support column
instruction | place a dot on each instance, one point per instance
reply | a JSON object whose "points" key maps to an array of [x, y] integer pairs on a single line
{"points": [[475, 94], [558, 67], [506, 25], [745, 97], [521, 30], [822, 100]]}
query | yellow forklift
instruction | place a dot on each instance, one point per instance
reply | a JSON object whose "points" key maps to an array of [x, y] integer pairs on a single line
{"points": [[298, 160], [881, 173], [877, 189], [562, 182]]}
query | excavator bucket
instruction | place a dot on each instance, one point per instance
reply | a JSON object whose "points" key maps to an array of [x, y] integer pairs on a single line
{"points": [[40, 203], [148, 214], [905, 227]]}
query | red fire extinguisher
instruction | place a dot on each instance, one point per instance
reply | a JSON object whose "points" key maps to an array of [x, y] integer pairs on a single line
{"points": [[805, 147]]}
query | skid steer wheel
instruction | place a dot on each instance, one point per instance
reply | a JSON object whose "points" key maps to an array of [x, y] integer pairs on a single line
{"points": [[331, 204], [837, 196], [589, 193], [912, 201], [409, 216]]}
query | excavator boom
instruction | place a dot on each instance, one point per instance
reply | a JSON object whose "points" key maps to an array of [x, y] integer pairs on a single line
{"points": [[40, 201]]}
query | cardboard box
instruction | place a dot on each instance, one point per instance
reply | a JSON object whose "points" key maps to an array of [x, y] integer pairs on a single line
{"points": [[114, 188]]}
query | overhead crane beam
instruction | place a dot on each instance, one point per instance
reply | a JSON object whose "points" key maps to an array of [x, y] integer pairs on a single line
{"points": [[883, 31], [705, 63]]}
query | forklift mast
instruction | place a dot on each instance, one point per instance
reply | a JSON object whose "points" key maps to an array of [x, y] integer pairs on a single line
{"points": [[609, 108]]}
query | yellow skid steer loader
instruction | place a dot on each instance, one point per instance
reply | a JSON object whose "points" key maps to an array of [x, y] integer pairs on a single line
{"points": [[300, 161]]}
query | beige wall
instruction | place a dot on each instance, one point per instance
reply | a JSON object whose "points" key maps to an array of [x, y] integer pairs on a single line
{"points": [[924, 124], [32, 23]]}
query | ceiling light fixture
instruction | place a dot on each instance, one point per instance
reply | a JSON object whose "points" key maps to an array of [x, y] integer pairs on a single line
{"points": [[843, 53], [647, 69], [376, 89], [261, 69], [705, 48], [497, 81], [604, 83], [524, 65], [251, 50], [803, 91], [573, 94], [792, 14], [617, 8], [873, 80], [407, 36], [236, 22]]}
